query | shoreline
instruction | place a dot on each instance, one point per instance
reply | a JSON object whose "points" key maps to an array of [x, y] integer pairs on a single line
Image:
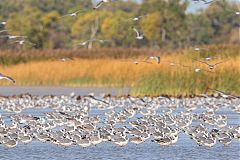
{"points": [[13, 91]]}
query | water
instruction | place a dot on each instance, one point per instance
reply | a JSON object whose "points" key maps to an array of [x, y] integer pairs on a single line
{"points": [[49, 90], [184, 149]]}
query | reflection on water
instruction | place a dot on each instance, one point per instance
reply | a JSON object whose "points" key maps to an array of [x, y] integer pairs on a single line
{"points": [[184, 149]]}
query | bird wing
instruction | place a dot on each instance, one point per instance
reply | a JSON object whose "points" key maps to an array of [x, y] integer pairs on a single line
{"points": [[201, 62], [136, 32], [7, 77], [223, 93], [146, 62], [207, 71], [158, 59], [98, 5], [65, 15], [219, 63]]}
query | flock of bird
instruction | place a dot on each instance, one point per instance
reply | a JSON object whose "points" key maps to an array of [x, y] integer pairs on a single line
{"points": [[90, 120]]}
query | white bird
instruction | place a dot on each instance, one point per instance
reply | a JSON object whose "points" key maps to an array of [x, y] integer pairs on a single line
{"points": [[23, 41], [210, 66], [138, 35], [156, 58], [233, 11], [12, 36], [138, 18], [66, 59], [198, 70], [2, 76], [73, 14], [200, 49], [4, 31], [3, 23]]}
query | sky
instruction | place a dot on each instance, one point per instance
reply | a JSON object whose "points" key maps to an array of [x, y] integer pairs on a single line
{"points": [[194, 6]]}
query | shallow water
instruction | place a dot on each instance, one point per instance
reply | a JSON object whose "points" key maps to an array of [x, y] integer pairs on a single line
{"points": [[184, 149], [49, 90]]}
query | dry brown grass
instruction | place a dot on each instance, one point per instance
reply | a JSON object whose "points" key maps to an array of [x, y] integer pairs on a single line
{"points": [[151, 79]]}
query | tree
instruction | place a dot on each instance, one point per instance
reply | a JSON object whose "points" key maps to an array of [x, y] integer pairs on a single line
{"points": [[82, 29], [118, 28]]}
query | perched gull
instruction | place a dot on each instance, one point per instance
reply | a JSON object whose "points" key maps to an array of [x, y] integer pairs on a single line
{"points": [[138, 36], [2, 76]]}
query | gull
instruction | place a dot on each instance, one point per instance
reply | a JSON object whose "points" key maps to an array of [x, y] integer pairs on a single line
{"points": [[209, 58], [4, 31], [195, 69], [200, 49], [233, 11], [223, 94], [2, 76], [198, 70], [85, 42], [236, 12], [210, 66], [3, 23], [84, 142], [138, 36], [100, 3], [73, 14], [138, 18], [66, 59], [21, 42], [137, 139], [12, 36], [156, 58]]}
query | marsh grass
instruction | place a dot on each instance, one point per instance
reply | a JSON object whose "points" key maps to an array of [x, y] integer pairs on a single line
{"points": [[144, 79]]}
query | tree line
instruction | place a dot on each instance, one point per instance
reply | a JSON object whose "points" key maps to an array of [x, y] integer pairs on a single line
{"points": [[164, 24]]}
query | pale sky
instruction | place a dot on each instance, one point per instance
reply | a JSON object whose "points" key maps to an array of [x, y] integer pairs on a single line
{"points": [[193, 6]]}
